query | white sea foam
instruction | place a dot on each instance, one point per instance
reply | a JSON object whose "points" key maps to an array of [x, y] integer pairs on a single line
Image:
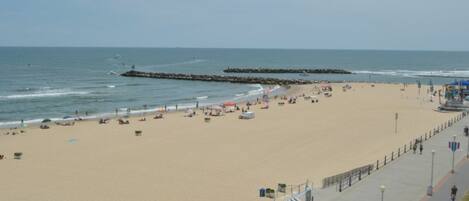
{"points": [[43, 94], [111, 86], [193, 61], [411, 73], [202, 97]]}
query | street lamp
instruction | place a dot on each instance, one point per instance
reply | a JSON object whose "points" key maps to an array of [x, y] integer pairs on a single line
{"points": [[382, 188], [452, 164], [430, 188], [467, 154]]}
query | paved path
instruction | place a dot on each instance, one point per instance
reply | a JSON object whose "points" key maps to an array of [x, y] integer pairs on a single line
{"points": [[407, 178], [460, 179]]}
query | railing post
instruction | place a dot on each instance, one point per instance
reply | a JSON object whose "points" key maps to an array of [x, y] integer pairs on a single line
{"points": [[392, 156], [340, 186], [425, 136], [360, 175], [384, 160], [350, 180], [377, 164], [369, 170], [399, 152], [405, 148]]}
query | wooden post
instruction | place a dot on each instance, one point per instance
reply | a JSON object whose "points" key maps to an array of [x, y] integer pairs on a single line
{"points": [[392, 156], [399, 152], [377, 164], [405, 148], [384, 160]]}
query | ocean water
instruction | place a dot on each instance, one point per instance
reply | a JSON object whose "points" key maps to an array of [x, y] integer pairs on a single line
{"points": [[37, 83]]}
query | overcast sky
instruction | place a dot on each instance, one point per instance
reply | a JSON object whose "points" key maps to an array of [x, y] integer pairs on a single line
{"points": [[310, 24]]}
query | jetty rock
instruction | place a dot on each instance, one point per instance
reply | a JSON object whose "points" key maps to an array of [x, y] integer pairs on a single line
{"points": [[216, 78], [286, 70]]}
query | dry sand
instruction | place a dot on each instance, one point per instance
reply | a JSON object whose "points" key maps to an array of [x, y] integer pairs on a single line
{"points": [[180, 158]]}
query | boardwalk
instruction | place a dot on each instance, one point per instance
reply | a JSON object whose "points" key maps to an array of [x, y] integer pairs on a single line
{"points": [[407, 178]]}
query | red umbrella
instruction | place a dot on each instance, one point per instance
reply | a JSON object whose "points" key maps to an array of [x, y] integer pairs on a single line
{"points": [[229, 103]]}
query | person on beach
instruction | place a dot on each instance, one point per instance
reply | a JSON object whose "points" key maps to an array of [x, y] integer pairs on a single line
{"points": [[414, 148], [466, 131], [421, 148], [454, 190]]}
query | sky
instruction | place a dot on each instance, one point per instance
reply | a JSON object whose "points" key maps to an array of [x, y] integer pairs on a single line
{"points": [[288, 24]]}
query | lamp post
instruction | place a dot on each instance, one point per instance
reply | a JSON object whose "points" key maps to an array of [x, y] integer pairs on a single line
{"points": [[430, 188], [382, 188], [467, 154], [453, 150]]}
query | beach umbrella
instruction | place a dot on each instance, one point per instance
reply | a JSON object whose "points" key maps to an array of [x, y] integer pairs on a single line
{"points": [[229, 103], [46, 121], [216, 107]]}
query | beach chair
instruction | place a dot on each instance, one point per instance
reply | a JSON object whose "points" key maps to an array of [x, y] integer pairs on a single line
{"points": [[158, 116], [138, 133], [17, 155], [123, 122]]}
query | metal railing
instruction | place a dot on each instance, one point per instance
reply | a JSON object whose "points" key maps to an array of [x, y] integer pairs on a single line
{"points": [[344, 180]]}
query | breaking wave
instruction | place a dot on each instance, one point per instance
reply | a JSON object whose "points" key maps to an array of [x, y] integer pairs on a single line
{"points": [[44, 93], [411, 73]]}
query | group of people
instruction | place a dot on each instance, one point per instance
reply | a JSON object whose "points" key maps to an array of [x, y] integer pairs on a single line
{"points": [[419, 144]]}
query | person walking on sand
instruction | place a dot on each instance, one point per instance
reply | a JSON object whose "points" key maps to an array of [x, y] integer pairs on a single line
{"points": [[421, 148], [454, 190], [414, 148]]}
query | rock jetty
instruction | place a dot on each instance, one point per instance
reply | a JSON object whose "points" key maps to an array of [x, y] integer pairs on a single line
{"points": [[286, 70], [216, 78]]}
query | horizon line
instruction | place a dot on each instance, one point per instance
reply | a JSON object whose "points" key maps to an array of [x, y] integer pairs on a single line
{"points": [[242, 48]]}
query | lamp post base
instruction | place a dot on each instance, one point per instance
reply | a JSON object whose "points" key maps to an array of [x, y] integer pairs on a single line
{"points": [[430, 190]]}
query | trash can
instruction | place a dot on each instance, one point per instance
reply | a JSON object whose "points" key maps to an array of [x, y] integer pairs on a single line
{"points": [[262, 192]]}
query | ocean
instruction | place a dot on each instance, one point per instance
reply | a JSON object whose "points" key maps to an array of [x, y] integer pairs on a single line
{"points": [[53, 82]]}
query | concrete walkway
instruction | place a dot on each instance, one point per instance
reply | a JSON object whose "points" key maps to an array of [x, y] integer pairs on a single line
{"points": [[407, 178], [460, 179]]}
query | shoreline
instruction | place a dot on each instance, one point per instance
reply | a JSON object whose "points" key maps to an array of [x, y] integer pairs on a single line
{"points": [[110, 114], [281, 90]]}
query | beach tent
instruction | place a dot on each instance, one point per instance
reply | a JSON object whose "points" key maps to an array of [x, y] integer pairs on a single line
{"points": [[45, 121], [216, 110], [460, 83], [247, 115], [215, 107], [229, 104]]}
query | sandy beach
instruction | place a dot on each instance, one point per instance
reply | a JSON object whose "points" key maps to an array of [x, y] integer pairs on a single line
{"points": [[180, 158]]}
